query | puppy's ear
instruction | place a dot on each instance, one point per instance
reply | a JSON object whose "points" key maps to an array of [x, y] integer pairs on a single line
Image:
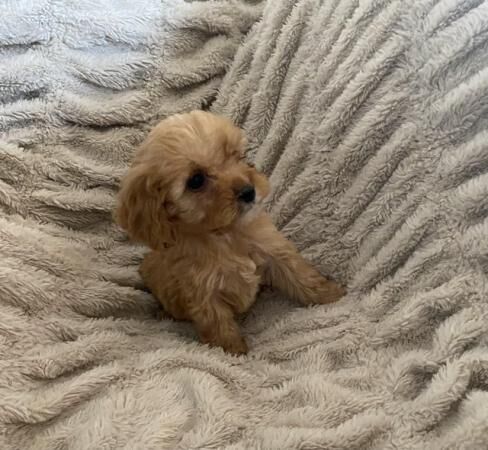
{"points": [[140, 208]]}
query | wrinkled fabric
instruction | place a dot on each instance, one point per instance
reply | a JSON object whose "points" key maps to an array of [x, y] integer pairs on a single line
{"points": [[370, 117]]}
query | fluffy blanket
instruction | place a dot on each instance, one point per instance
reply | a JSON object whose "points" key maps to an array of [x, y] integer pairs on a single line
{"points": [[371, 117]]}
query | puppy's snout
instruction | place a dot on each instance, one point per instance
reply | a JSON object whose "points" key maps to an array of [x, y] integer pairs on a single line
{"points": [[247, 194]]}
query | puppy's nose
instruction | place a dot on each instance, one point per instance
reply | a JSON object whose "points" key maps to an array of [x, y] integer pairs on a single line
{"points": [[247, 194]]}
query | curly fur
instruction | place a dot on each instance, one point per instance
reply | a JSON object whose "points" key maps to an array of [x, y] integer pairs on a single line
{"points": [[210, 251]]}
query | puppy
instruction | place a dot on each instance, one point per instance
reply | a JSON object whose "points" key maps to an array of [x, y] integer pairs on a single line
{"points": [[192, 198]]}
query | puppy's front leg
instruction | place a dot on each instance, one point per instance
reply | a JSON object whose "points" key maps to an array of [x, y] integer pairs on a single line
{"points": [[216, 326], [288, 271]]}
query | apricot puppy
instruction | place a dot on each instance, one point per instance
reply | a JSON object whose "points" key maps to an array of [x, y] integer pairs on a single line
{"points": [[192, 198]]}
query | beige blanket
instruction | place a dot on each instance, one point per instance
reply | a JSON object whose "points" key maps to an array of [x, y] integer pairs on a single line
{"points": [[370, 117]]}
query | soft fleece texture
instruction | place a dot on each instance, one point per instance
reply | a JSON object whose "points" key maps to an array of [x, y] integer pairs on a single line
{"points": [[371, 118]]}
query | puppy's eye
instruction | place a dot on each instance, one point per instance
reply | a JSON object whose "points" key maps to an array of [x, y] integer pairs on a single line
{"points": [[196, 182]]}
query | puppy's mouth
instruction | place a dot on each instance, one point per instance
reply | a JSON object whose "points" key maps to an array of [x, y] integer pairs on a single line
{"points": [[243, 214], [248, 211], [246, 208]]}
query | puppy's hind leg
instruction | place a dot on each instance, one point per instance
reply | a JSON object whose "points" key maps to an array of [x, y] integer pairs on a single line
{"points": [[216, 326]]}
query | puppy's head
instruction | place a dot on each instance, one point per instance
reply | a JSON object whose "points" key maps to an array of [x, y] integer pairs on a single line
{"points": [[189, 176]]}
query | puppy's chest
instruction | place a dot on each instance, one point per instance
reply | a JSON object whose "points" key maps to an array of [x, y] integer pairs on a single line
{"points": [[239, 278], [233, 272]]}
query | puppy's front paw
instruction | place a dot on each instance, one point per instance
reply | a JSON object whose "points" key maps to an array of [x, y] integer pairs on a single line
{"points": [[327, 291], [161, 314], [237, 346], [230, 342]]}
